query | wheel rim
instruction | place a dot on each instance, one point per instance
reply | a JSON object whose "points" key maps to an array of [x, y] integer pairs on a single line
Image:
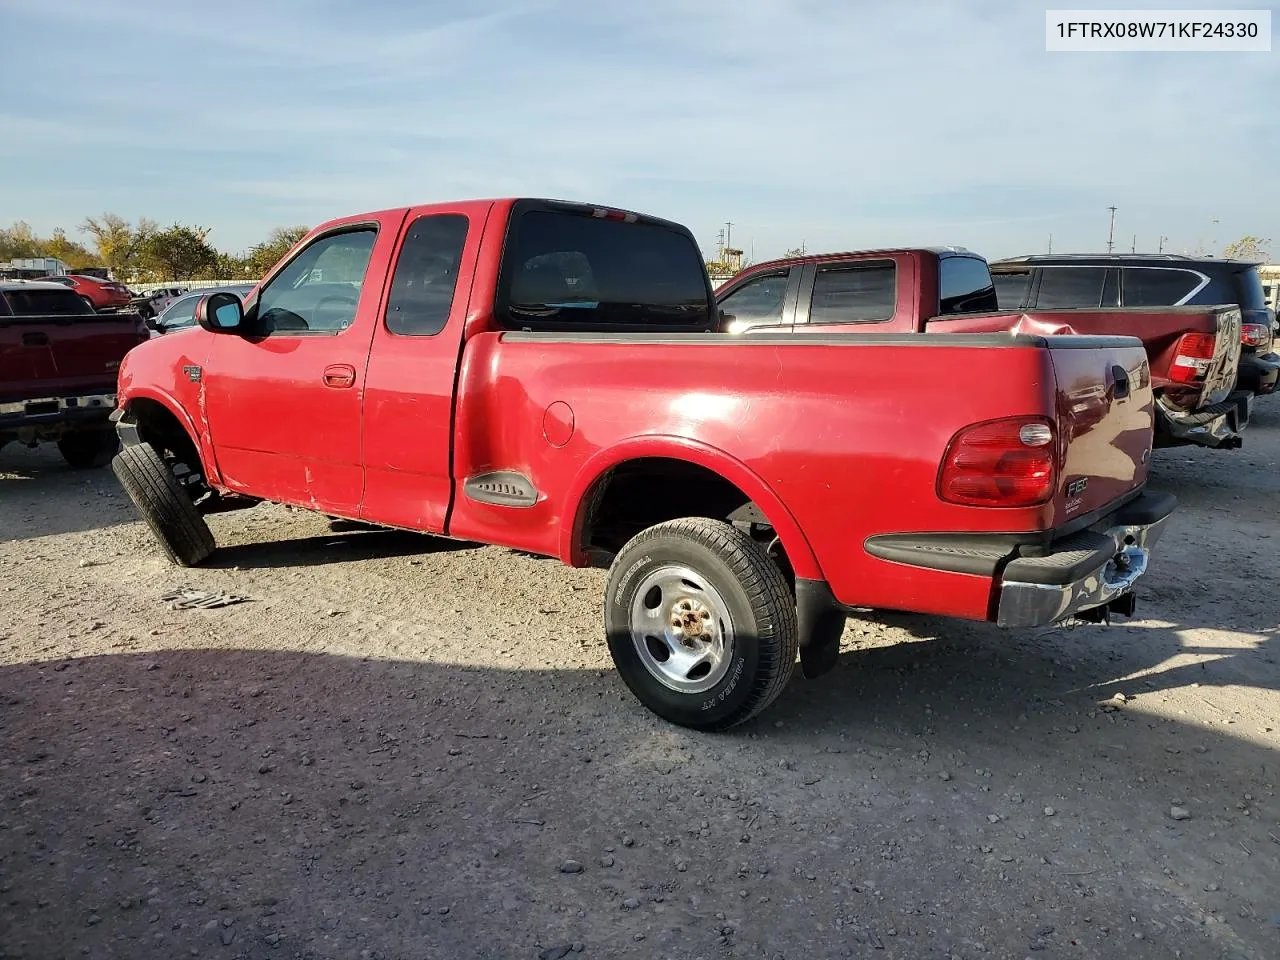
{"points": [[681, 630]]}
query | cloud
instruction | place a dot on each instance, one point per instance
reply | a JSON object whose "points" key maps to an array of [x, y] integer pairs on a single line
{"points": [[832, 121]]}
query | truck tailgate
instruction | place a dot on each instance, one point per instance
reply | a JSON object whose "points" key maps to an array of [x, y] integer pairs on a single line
{"points": [[1105, 403], [61, 356]]}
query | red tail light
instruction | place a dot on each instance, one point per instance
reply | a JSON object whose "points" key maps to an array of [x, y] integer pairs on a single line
{"points": [[1001, 463], [1255, 334], [1193, 356]]}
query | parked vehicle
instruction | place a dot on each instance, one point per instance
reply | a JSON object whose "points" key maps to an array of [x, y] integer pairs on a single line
{"points": [[153, 303], [1193, 351], [180, 313], [58, 366], [98, 293], [1150, 280], [546, 376]]}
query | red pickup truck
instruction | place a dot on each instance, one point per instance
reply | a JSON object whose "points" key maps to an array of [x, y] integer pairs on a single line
{"points": [[1194, 351], [548, 377], [58, 365]]}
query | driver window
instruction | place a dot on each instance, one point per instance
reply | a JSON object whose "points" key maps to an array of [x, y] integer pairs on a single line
{"points": [[317, 292]]}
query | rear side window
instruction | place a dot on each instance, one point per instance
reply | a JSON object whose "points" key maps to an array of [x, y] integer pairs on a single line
{"points": [[759, 300], [570, 271], [422, 288], [1011, 289], [866, 293], [46, 303], [966, 286], [1066, 287], [1152, 287], [1252, 295]]}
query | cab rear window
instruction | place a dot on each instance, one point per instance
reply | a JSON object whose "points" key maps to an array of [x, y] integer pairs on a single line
{"points": [[569, 269], [45, 303]]}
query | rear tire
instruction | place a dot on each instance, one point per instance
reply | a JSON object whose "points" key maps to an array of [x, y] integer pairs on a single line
{"points": [[164, 504], [87, 449], [700, 623]]}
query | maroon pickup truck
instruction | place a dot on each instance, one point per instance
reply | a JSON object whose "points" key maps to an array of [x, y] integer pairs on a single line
{"points": [[548, 377], [1194, 351], [58, 365]]}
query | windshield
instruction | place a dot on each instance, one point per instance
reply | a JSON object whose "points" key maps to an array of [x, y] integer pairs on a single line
{"points": [[571, 270]]}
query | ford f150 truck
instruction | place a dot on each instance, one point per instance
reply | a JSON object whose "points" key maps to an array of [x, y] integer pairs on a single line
{"points": [[58, 365], [548, 377], [1194, 352]]}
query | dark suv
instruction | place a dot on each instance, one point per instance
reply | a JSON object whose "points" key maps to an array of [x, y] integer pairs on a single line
{"points": [[1049, 281]]}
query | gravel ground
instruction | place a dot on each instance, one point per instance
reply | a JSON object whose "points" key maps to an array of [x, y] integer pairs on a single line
{"points": [[408, 748]]}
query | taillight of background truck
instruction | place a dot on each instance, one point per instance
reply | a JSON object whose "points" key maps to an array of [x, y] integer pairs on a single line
{"points": [[1000, 463], [1193, 356], [1255, 335]]}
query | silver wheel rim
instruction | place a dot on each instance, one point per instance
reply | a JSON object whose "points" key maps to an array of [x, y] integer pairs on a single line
{"points": [[681, 630]]}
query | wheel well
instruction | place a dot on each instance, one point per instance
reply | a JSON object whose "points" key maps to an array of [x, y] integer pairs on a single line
{"points": [[641, 493], [159, 427]]}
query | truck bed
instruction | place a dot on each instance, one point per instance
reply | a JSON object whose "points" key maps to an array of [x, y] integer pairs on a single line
{"points": [[44, 357]]}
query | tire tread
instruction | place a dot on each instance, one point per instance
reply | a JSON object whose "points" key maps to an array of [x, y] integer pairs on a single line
{"points": [[164, 505]]}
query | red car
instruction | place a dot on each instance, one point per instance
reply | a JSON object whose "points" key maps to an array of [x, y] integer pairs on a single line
{"points": [[100, 294], [547, 377]]}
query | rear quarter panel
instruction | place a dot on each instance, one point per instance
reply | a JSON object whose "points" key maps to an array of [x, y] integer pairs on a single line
{"points": [[823, 425]]}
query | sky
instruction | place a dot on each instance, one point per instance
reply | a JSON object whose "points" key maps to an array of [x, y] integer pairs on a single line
{"points": [[836, 124]]}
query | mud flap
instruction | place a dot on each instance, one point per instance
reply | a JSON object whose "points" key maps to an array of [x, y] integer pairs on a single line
{"points": [[821, 624]]}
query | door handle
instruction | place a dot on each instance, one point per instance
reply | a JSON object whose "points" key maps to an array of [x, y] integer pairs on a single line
{"points": [[339, 375], [1121, 377]]}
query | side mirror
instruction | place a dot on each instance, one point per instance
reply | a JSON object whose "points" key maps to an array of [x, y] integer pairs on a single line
{"points": [[220, 313]]}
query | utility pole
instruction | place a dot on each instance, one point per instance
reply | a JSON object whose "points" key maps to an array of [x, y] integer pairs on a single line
{"points": [[1134, 248], [728, 235], [1111, 234], [1160, 249], [1051, 243], [720, 246], [1214, 245]]}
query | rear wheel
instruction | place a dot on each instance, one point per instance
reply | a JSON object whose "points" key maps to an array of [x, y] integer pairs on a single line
{"points": [[701, 625], [164, 504], [87, 449]]}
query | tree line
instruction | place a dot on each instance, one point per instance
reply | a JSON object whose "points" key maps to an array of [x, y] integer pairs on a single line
{"points": [[144, 252]]}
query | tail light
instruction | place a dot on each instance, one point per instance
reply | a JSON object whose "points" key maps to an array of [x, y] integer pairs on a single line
{"points": [[1255, 334], [1000, 463], [1192, 357]]}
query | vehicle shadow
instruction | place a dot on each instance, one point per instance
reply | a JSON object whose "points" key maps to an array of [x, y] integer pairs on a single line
{"points": [[341, 547], [40, 496], [336, 806]]}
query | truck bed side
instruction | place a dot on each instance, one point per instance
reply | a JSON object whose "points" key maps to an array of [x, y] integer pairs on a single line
{"points": [[803, 410]]}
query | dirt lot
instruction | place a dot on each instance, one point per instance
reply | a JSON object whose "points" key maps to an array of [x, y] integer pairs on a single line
{"points": [[406, 748]]}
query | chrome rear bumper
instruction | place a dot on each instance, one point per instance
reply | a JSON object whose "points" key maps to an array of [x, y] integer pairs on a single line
{"points": [[1088, 571]]}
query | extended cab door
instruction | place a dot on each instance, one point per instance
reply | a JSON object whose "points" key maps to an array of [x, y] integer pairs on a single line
{"points": [[283, 395], [413, 366], [875, 294]]}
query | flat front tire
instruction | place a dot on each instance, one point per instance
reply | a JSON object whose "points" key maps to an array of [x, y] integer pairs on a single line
{"points": [[164, 504], [700, 623]]}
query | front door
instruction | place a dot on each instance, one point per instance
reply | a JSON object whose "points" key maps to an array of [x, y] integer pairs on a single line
{"points": [[283, 395]]}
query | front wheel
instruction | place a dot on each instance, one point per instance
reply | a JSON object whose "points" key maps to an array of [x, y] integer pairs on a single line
{"points": [[701, 625], [164, 504]]}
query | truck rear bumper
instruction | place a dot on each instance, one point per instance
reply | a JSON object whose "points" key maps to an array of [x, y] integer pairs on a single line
{"points": [[47, 417], [1090, 572], [1217, 427]]}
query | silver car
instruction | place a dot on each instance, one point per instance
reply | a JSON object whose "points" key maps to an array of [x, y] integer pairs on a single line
{"points": [[181, 313]]}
